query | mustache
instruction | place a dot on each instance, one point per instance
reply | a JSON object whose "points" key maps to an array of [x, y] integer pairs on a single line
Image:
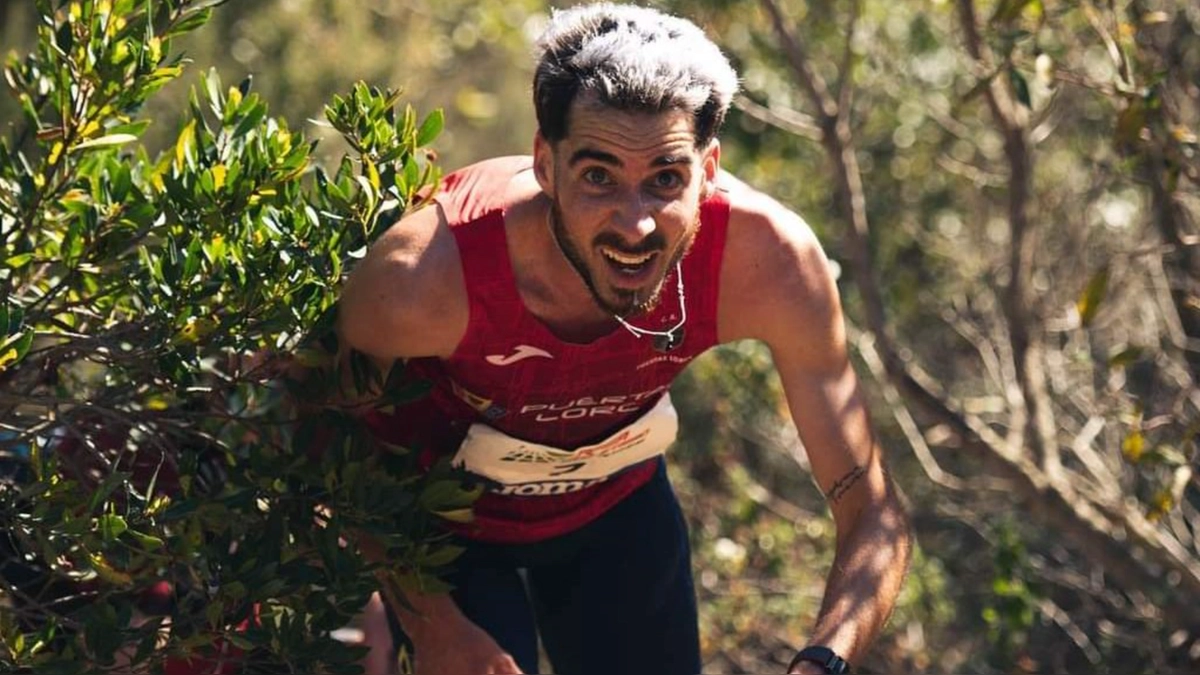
{"points": [[655, 242]]}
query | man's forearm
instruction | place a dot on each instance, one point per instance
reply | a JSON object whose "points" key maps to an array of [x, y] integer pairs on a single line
{"points": [[862, 585], [429, 611]]}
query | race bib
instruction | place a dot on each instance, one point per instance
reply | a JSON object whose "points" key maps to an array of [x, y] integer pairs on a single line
{"points": [[518, 466]]}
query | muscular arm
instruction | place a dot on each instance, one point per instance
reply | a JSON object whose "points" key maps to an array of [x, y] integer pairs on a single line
{"points": [[779, 290], [407, 299]]}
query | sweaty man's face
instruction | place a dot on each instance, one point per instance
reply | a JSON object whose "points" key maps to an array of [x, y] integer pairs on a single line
{"points": [[625, 189]]}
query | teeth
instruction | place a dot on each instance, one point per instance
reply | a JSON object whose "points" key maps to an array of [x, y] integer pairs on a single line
{"points": [[627, 259]]}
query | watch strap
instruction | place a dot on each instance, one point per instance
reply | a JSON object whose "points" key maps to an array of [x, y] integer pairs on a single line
{"points": [[822, 656]]}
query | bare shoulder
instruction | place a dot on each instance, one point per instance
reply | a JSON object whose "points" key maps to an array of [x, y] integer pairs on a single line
{"points": [[776, 283], [407, 297]]}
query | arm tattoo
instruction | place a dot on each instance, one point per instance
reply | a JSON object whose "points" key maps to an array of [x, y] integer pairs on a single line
{"points": [[843, 484]]}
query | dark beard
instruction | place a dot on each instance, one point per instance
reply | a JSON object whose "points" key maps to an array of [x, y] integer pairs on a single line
{"points": [[629, 303]]}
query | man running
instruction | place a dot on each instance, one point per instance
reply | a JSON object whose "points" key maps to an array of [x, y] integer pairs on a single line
{"points": [[551, 300]]}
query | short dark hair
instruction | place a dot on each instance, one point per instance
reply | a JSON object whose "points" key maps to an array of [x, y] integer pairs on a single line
{"points": [[631, 58]]}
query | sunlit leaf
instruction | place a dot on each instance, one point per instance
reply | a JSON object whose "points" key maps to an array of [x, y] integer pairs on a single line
{"points": [[464, 515], [1125, 356], [431, 127], [1134, 445], [111, 526], [106, 141]]}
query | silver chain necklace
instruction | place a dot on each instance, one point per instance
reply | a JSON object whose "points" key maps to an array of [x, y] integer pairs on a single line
{"points": [[664, 340]]}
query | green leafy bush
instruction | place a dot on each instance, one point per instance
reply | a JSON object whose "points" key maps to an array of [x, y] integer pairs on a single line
{"points": [[165, 321]]}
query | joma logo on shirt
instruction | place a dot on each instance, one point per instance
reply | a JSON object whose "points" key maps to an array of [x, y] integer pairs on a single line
{"points": [[520, 353]]}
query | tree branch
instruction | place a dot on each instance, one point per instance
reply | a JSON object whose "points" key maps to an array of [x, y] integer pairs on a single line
{"points": [[866, 348], [784, 119], [812, 82], [1098, 533], [1013, 120], [838, 141], [845, 86]]}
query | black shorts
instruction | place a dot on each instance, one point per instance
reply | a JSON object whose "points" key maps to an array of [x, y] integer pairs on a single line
{"points": [[615, 596]]}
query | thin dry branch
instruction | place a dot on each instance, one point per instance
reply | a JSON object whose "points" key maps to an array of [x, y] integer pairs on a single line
{"points": [[1106, 480], [866, 349], [784, 119], [1078, 636], [845, 86], [977, 176], [797, 57]]}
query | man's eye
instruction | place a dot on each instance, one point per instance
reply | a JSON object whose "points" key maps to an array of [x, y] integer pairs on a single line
{"points": [[668, 180], [597, 176]]}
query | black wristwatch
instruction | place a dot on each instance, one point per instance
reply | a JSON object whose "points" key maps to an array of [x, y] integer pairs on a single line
{"points": [[822, 656]]}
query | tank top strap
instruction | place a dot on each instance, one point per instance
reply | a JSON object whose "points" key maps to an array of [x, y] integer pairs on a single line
{"points": [[702, 266], [495, 304]]}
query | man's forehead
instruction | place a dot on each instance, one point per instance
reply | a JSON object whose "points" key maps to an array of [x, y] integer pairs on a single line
{"points": [[608, 134]]}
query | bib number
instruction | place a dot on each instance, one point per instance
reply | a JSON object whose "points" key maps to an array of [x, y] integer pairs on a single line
{"points": [[516, 465]]}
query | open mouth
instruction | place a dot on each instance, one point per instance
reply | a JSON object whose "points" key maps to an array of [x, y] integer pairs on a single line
{"points": [[627, 263]]}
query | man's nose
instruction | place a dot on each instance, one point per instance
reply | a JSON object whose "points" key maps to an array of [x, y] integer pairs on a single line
{"points": [[637, 218]]}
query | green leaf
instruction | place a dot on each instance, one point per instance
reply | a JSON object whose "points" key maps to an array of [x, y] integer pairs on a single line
{"points": [[1089, 302], [444, 496], [105, 141], [112, 526], [1020, 87], [431, 127], [183, 146], [147, 541], [1125, 356], [212, 84], [16, 262], [14, 349], [136, 128], [464, 515], [442, 555], [190, 22], [251, 120], [102, 492]]}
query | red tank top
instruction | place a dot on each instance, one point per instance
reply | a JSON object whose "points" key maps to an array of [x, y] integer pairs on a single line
{"points": [[511, 373]]}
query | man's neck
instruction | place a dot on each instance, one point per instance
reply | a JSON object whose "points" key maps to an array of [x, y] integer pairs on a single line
{"points": [[551, 288]]}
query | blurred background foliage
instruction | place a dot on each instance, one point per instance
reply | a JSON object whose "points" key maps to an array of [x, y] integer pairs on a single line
{"points": [[1031, 191]]}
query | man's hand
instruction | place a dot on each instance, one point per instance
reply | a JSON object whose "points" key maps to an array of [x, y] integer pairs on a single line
{"points": [[460, 647]]}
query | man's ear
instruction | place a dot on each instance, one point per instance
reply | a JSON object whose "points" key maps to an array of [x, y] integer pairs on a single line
{"points": [[543, 163], [711, 163]]}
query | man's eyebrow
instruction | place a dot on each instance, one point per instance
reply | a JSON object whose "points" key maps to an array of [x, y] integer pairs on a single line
{"points": [[593, 154], [670, 160], [603, 157]]}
